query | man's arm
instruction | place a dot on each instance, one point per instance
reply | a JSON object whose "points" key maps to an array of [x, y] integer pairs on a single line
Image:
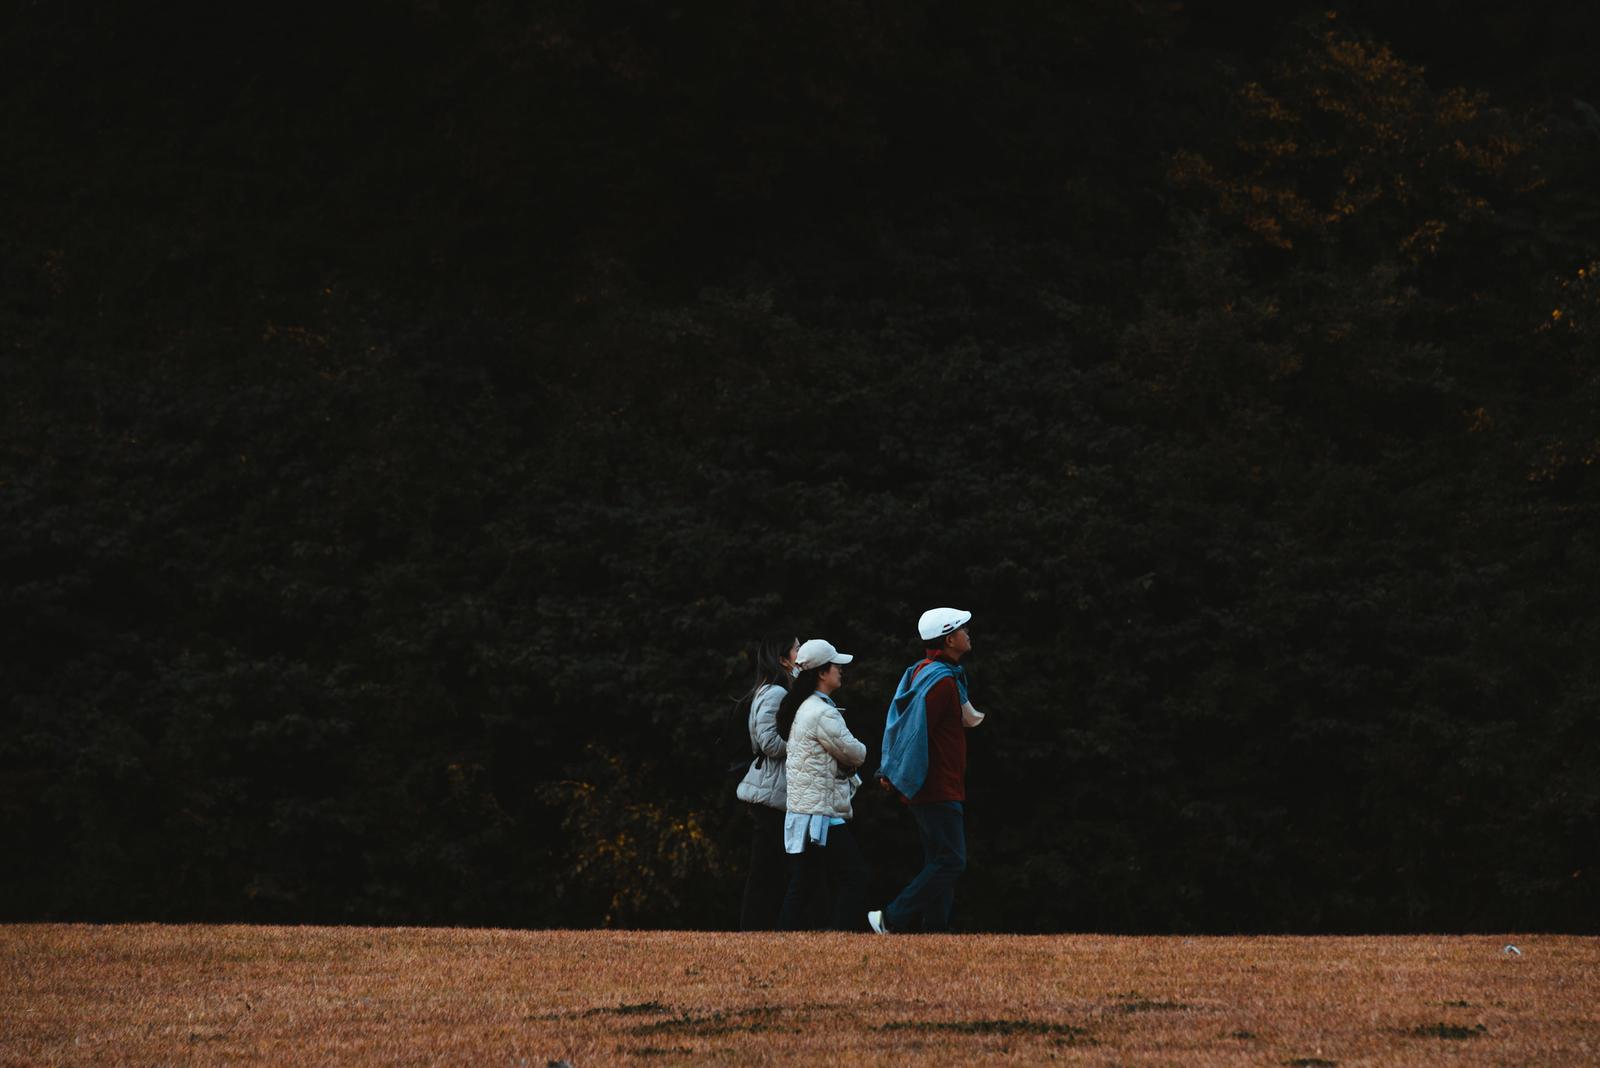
{"points": [[944, 702]]}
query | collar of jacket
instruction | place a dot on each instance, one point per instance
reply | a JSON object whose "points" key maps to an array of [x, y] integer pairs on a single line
{"points": [[957, 671]]}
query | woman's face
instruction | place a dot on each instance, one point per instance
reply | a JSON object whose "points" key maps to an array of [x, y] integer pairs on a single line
{"points": [[830, 679], [789, 658]]}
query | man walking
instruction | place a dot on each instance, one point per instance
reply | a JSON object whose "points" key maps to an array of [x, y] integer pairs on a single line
{"points": [[925, 761]]}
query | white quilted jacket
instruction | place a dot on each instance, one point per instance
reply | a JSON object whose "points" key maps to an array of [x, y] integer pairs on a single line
{"points": [[763, 784], [821, 747]]}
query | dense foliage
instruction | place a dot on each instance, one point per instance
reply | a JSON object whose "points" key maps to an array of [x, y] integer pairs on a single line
{"points": [[414, 412]]}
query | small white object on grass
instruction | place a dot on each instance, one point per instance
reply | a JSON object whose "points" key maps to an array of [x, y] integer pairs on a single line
{"points": [[1512, 951]]}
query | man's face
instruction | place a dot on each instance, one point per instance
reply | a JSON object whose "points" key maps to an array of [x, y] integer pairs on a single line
{"points": [[959, 643]]}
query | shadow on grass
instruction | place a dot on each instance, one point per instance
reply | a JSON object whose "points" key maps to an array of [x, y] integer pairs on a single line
{"points": [[1444, 1030], [740, 1021], [990, 1027], [1149, 1006], [642, 1008]]}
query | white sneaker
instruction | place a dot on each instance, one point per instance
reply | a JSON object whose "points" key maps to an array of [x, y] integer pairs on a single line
{"points": [[876, 922]]}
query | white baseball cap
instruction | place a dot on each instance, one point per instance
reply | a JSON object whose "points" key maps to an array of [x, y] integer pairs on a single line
{"points": [[817, 652], [937, 622]]}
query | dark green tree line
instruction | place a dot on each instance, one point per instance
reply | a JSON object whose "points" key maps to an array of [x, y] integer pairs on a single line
{"points": [[411, 416]]}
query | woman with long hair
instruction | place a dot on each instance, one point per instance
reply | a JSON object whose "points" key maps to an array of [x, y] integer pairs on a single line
{"points": [[763, 788], [822, 763]]}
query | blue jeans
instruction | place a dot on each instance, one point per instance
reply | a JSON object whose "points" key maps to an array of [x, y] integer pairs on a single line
{"points": [[944, 852]]}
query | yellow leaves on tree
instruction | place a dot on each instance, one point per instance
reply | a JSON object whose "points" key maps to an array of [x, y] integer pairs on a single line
{"points": [[1347, 137]]}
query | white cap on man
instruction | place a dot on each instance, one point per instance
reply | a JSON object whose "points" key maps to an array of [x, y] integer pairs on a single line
{"points": [[937, 622], [818, 652]]}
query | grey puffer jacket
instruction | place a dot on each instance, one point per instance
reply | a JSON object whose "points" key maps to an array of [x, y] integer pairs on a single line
{"points": [[821, 748], [765, 782]]}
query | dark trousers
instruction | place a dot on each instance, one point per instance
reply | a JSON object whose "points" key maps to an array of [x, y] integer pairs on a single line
{"points": [[838, 864], [929, 896], [768, 879]]}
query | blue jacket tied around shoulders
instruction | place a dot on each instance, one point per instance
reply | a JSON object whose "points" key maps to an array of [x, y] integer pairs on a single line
{"points": [[905, 734]]}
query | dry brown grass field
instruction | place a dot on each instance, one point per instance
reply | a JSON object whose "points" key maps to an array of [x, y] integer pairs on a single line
{"points": [[386, 996]]}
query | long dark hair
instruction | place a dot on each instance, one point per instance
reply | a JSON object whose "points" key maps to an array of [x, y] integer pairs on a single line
{"points": [[804, 685], [770, 654], [769, 657]]}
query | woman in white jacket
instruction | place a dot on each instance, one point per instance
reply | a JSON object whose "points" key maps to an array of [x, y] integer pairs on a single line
{"points": [[821, 765], [763, 788]]}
